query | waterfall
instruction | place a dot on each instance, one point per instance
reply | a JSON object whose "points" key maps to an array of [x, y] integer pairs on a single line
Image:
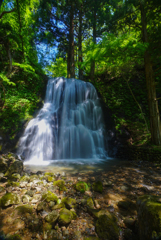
{"points": [[69, 126]]}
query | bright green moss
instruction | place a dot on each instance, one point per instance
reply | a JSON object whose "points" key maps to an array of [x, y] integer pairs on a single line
{"points": [[98, 186], [60, 184], [81, 186], [49, 196]]}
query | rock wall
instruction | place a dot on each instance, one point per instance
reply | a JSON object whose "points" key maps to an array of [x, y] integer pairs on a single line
{"points": [[138, 153]]}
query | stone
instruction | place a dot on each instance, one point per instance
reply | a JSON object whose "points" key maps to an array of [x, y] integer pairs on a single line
{"points": [[106, 228], [9, 199], [49, 196], [65, 217], [52, 217], [30, 193], [26, 198], [149, 217], [42, 206], [3, 164], [60, 184], [98, 186], [81, 186], [90, 203], [15, 167], [69, 202]]}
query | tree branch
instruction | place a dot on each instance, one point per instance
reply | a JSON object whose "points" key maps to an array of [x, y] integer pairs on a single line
{"points": [[4, 12]]}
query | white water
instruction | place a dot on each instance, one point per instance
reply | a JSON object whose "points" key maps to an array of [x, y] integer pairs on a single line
{"points": [[69, 126]]}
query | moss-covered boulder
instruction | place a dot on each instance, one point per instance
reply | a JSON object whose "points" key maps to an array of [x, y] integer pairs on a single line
{"points": [[98, 186], [149, 217], [58, 206], [9, 199], [90, 202], [69, 202], [52, 217], [12, 184], [49, 196], [42, 206], [3, 164], [60, 184], [14, 177], [15, 167], [81, 186], [24, 178], [65, 217], [33, 177], [22, 210], [106, 228]]}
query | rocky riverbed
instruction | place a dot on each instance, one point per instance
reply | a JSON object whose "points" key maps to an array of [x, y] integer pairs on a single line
{"points": [[86, 205]]}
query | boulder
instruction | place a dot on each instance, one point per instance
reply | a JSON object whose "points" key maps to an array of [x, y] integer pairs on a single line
{"points": [[81, 186], [49, 196], [52, 217], [9, 199], [65, 217], [15, 167], [98, 186], [106, 228], [69, 202], [149, 217]]}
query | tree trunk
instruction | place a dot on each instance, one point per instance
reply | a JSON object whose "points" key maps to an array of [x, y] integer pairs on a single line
{"points": [[150, 84], [94, 41], [70, 60], [80, 44]]}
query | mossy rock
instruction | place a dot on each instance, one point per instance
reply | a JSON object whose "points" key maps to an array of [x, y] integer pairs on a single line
{"points": [[14, 177], [49, 174], [42, 206], [106, 228], [69, 202], [47, 226], [149, 217], [74, 215], [90, 202], [52, 217], [35, 224], [3, 164], [65, 217], [1, 189], [49, 196], [33, 177], [98, 186], [12, 184], [24, 179], [50, 179], [9, 199], [81, 186], [15, 167], [23, 209], [58, 206], [60, 184]]}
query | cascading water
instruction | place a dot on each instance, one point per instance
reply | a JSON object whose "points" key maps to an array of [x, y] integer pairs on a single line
{"points": [[69, 126]]}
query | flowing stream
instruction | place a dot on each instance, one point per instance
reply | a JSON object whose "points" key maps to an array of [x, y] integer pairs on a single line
{"points": [[70, 126]]}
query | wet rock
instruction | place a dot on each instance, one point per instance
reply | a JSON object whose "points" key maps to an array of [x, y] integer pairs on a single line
{"points": [[106, 228], [42, 206], [9, 199], [26, 198], [52, 217], [15, 167], [22, 210], [49, 196], [90, 203], [98, 186], [60, 184], [149, 217], [3, 164], [65, 217], [30, 193], [81, 186], [69, 202], [24, 178]]}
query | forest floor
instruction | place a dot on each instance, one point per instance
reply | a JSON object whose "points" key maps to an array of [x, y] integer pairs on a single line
{"points": [[122, 183]]}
